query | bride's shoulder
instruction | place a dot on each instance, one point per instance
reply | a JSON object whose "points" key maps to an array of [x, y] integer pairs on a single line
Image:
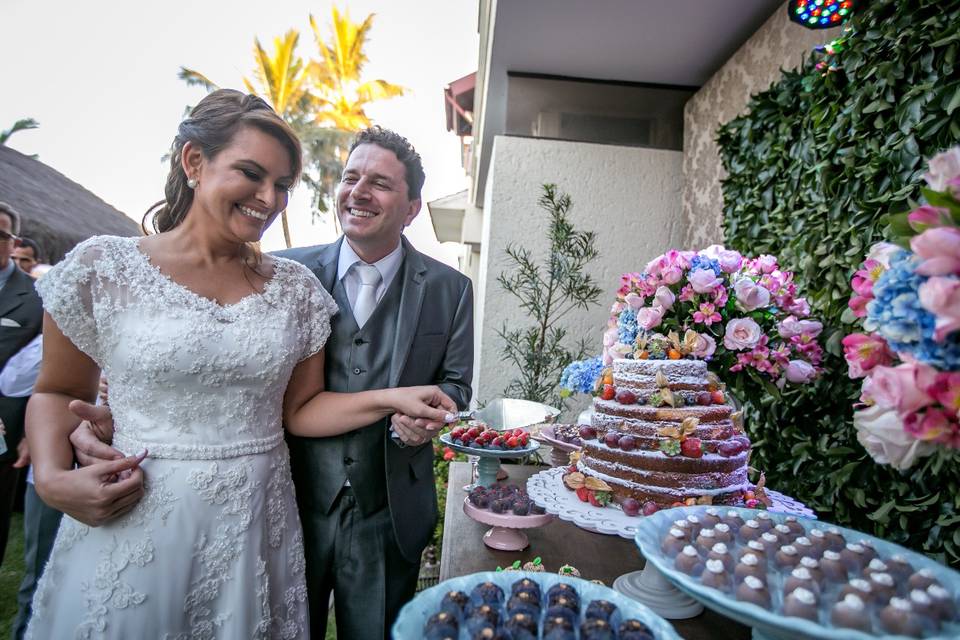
{"points": [[98, 249], [294, 271], [299, 280]]}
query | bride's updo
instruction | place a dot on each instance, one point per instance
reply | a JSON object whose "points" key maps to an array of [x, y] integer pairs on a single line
{"points": [[211, 127]]}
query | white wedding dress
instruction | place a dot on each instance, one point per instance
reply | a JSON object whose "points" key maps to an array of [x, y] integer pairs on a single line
{"points": [[214, 549]]}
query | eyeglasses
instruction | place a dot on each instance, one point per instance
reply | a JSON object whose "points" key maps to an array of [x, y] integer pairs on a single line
{"points": [[5, 236]]}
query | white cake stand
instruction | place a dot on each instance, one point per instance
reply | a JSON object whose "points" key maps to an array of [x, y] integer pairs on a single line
{"points": [[647, 585]]}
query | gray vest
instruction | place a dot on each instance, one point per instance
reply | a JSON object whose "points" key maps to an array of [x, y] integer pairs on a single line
{"points": [[356, 360]]}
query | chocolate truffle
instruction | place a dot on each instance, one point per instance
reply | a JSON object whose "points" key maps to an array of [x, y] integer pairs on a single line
{"points": [[899, 618], [854, 557], [868, 549], [710, 517], [834, 539], [482, 615], [443, 625], [943, 603], [689, 561], [858, 587], [749, 531], [794, 524], [596, 629], [800, 578], [754, 590], [715, 575], [770, 542], [756, 548], [684, 526], [526, 584], [524, 602], [558, 627], [875, 566], [522, 622], [818, 540], [723, 533], [922, 579], [566, 591], [899, 568], [801, 603], [487, 593], [732, 519], [883, 586], [922, 603], [783, 532], [749, 565], [806, 548], [766, 522], [833, 567], [695, 526], [851, 613], [813, 566], [601, 609], [706, 539], [787, 556], [673, 542], [722, 553], [553, 615], [454, 603]]}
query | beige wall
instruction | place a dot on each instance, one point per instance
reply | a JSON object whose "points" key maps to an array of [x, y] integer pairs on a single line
{"points": [[629, 196], [778, 44]]}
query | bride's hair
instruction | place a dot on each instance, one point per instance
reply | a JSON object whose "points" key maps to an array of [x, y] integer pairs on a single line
{"points": [[211, 126]]}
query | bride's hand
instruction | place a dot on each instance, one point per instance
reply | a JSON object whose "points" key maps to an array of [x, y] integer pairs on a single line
{"points": [[93, 495], [428, 403]]}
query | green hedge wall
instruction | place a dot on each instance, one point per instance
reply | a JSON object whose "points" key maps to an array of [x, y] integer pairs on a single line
{"points": [[815, 163]]}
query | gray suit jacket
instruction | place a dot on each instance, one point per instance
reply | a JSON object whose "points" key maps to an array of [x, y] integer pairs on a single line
{"points": [[434, 345], [20, 305]]}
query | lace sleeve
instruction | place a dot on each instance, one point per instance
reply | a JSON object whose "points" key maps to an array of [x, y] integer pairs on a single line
{"points": [[316, 307], [68, 291]]}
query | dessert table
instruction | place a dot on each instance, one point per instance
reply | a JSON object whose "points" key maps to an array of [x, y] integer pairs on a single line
{"points": [[597, 556]]}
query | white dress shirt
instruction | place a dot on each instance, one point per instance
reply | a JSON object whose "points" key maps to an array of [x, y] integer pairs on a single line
{"points": [[388, 266]]}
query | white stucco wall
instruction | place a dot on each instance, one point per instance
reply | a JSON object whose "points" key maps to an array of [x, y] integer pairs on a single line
{"points": [[630, 197]]}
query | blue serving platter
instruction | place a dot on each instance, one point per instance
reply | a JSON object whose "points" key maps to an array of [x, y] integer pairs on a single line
{"points": [[533, 445], [772, 623], [414, 615]]}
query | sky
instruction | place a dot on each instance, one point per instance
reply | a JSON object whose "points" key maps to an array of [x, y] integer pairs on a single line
{"points": [[101, 79]]}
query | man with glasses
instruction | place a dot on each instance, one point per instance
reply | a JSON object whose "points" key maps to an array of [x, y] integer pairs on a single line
{"points": [[21, 318]]}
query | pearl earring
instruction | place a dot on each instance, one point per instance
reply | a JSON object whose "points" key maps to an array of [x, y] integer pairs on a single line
{"points": [[192, 183]]}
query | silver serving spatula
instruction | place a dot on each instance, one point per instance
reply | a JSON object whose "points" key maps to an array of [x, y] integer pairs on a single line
{"points": [[511, 413]]}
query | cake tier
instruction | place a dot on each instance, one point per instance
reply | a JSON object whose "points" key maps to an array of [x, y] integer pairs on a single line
{"points": [[641, 375], [645, 421]]}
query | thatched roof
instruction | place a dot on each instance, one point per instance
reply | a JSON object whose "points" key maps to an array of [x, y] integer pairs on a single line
{"points": [[55, 211]]}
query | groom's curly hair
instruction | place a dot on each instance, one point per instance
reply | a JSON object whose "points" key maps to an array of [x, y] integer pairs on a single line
{"points": [[401, 147]]}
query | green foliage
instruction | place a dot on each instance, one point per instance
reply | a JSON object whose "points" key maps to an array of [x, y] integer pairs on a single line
{"points": [[548, 293], [813, 168]]}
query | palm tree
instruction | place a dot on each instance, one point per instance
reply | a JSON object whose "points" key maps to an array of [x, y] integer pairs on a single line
{"points": [[340, 92], [19, 125]]}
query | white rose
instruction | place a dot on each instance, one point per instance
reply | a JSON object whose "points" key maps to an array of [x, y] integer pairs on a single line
{"points": [[881, 433], [882, 252], [943, 167]]}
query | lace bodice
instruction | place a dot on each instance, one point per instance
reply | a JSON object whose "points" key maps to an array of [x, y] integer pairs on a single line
{"points": [[188, 378]]}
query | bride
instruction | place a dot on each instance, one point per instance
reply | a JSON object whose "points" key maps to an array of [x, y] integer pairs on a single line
{"points": [[209, 347]]}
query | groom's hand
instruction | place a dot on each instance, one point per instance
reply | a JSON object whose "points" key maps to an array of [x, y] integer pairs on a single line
{"points": [[91, 439], [426, 410], [414, 432]]}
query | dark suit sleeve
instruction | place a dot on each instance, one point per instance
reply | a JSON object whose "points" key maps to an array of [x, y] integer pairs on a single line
{"points": [[456, 367]]}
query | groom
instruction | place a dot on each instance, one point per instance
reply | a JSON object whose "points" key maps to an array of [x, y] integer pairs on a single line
{"points": [[367, 501]]}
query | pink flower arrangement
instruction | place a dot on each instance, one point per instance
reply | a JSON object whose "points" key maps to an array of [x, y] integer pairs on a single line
{"points": [[908, 303], [741, 313]]}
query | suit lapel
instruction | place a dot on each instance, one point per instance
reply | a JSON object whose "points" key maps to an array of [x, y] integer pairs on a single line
{"points": [[411, 300], [11, 296], [326, 266]]}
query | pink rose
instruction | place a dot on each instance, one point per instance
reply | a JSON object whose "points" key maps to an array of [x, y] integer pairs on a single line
{"points": [[881, 433], [633, 301], [617, 308], [729, 260], [713, 251], [943, 168], [649, 317], [799, 307], [664, 298], [703, 280], [741, 333], [767, 263], [922, 218], [750, 296], [946, 390], [672, 274], [934, 425], [864, 352], [903, 387], [939, 249], [941, 297], [791, 327], [705, 346], [800, 372]]}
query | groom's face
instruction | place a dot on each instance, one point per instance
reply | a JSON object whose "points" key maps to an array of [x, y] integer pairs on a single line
{"points": [[373, 203]]}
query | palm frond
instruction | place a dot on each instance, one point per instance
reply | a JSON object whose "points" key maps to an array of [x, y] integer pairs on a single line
{"points": [[194, 78], [20, 125]]}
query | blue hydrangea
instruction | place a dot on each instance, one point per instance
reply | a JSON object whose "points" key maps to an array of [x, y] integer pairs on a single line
{"points": [[896, 314], [703, 262], [627, 326], [581, 375]]}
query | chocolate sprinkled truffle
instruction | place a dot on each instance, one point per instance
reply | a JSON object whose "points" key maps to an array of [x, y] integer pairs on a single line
{"points": [[801, 603], [851, 613], [754, 590]]}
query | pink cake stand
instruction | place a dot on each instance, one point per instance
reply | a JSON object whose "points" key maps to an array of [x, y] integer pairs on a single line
{"points": [[506, 534], [560, 455]]}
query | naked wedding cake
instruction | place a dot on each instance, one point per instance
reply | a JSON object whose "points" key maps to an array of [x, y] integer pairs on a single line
{"points": [[663, 432]]}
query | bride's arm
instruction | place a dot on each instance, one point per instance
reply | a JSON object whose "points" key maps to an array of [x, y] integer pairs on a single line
{"points": [[87, 494], [310, 411]]}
